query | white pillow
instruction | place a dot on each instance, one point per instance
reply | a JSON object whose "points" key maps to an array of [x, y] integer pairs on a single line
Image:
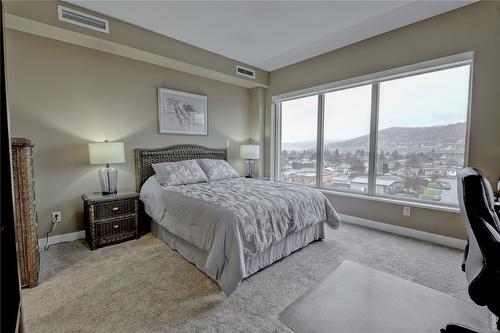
{"points": [[178, 173], [217, 169]]}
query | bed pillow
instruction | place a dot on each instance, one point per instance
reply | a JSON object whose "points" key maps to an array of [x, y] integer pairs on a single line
{"points": [[217, 169], [179, 173]]}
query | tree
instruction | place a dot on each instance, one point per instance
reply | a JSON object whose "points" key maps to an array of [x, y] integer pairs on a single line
{"points": [[357, 165], [336, 156], [395, 155], [385, 168], [381, 155], [411, 182], [415, 160]]}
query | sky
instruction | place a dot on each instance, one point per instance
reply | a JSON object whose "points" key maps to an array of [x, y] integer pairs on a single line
{"points": [[431, 99]]}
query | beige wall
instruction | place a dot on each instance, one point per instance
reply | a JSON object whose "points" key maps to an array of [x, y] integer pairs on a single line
{"points": [[475, 27], [63, 96], [129, 35], [257, 114]]}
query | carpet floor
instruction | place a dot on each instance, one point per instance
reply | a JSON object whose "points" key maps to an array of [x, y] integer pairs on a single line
{"points": [[144, 286]]}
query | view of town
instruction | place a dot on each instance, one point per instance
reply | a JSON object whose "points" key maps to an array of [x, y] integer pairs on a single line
{"points": [[412, 162], [420, 141]]}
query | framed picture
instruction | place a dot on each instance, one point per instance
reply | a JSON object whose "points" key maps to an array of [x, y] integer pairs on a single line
{"points": [[181, 112]]}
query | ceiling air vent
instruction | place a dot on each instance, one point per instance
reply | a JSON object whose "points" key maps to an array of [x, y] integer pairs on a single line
{"points": [[82, 19], [245, 72]]}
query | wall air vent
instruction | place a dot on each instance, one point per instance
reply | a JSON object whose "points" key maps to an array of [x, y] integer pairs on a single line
{"points": [[82, 19], [245, 72]]}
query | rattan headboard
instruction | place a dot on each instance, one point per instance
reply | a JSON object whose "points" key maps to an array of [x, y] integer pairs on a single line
{"points": [[145, 157]]}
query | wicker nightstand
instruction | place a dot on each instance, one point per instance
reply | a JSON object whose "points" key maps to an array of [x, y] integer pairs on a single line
{"points": [[110, 218]]}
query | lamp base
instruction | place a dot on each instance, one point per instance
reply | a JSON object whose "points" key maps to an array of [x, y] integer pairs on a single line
{"points": [[249, 166], [108, 178]]}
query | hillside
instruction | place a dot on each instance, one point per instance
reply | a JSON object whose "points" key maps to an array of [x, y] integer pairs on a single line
{"points": [[447, 135], [411, 136]]}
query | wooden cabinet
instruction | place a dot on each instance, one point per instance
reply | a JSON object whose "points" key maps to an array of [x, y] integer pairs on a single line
{"points": [[110, 218], [26, 219]]}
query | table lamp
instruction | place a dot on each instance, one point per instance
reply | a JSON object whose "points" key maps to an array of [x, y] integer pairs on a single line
{"points": [[250, 153], [106, 153]]}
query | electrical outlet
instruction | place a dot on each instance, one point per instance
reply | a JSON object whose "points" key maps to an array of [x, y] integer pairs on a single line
{"points": [[406, 211], [56, 217]]}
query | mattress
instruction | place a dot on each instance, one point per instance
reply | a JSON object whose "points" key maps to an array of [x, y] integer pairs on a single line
{"points": [[233, 227]]}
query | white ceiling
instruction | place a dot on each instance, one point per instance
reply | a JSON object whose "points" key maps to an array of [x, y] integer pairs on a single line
{"points": [[270, 34]]}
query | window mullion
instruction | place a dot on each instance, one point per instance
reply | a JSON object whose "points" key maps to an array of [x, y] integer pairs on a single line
{"points": [[276, 168], [372, 157], [319, 140]]}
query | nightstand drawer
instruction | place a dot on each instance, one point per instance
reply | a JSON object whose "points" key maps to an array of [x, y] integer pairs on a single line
{"points": [[112, 228], [115, 208], [110, 218]]}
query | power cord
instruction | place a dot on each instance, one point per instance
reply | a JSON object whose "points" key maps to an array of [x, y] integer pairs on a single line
{"points": [[47, 246]]}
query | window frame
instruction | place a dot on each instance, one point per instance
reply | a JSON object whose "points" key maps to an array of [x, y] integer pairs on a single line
{"points": [[374, 79]]}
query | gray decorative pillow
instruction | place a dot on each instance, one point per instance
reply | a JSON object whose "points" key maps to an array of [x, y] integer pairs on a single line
{"points": [[217, 169], [178, 173]]}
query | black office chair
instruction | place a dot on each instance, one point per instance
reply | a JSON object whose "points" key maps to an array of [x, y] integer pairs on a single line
{"points": [[482, 254]]}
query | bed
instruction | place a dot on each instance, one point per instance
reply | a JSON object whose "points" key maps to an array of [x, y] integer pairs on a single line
{"points": [[229, 228]]}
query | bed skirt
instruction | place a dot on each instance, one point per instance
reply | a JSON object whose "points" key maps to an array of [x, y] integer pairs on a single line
{"points": [[277, 251]]}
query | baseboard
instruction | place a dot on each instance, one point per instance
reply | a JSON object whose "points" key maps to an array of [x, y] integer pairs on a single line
{"points": [[394, 229], [417, 234], [61, 238]]}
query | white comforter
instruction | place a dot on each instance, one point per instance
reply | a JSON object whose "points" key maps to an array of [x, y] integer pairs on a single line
{"points": [[235, 219]]}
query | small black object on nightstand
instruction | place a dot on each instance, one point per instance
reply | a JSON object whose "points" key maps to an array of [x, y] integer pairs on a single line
{"points": [[110, 218]]}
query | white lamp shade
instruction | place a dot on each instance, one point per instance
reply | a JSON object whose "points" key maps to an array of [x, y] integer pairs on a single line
{"points": [[249, 152], [106, 152]]}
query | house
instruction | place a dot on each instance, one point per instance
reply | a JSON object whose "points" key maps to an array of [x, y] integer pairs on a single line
{"points": [[385, 185]]}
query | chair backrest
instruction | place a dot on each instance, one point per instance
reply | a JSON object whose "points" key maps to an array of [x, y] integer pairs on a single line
{"points": [[476, 201]]}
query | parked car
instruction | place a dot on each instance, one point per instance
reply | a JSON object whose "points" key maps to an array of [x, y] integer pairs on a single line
{"points": [[445, 185]]}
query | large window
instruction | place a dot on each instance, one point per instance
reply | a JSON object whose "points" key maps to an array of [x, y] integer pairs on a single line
{"points": [[400, 134], [421, 135], [299, 128], [347, 138]]}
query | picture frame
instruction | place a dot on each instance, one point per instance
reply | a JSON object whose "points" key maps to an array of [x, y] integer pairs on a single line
{"points": [[181, 112]]}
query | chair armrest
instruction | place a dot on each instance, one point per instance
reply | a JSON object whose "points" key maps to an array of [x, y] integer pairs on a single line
{"points": [[494, 233], [494, 259]]}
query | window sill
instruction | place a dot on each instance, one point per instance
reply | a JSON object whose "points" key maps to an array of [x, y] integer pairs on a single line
{"points": [[448, 209]]}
